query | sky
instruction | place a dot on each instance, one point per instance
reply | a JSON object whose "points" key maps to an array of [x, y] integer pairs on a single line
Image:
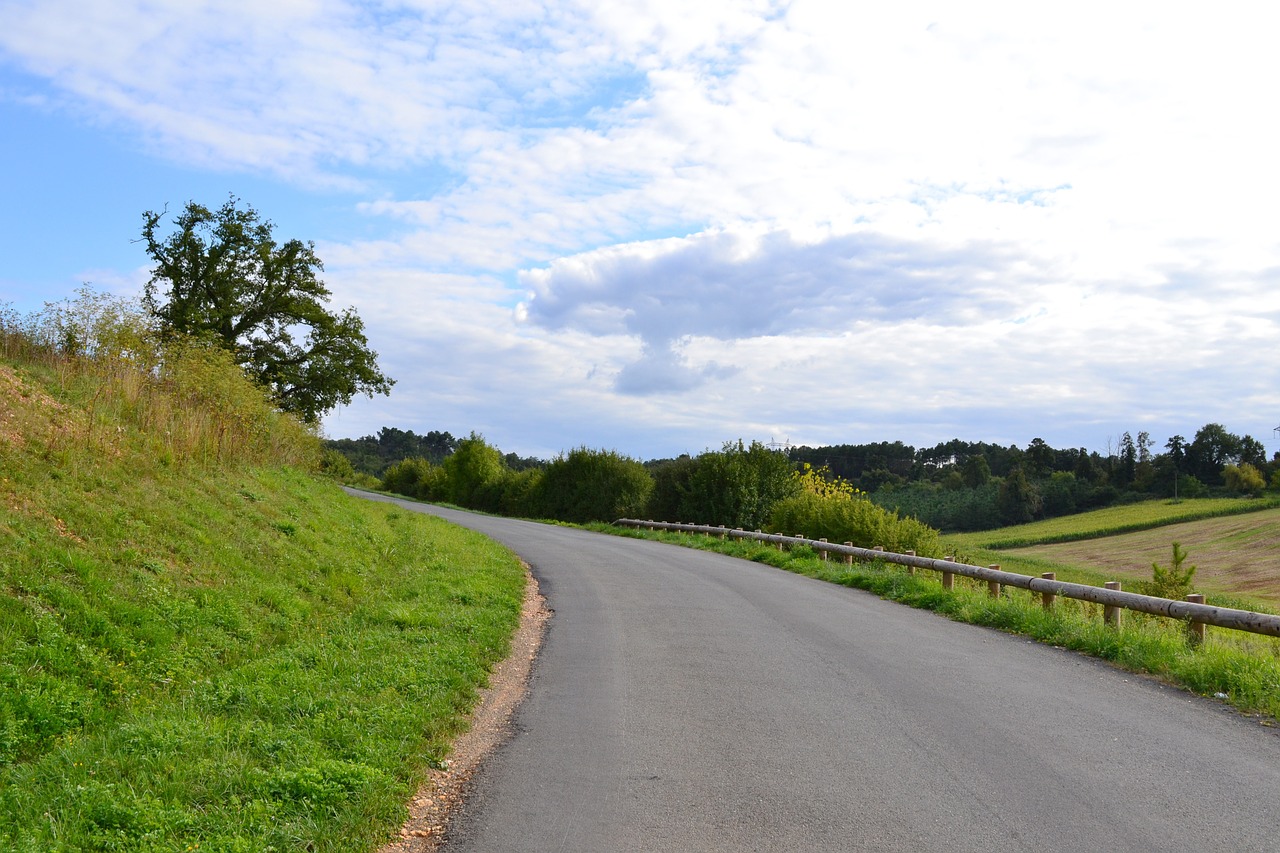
{"points": [[656, 226]]}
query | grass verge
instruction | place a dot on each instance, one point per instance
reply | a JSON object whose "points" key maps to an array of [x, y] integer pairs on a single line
{"points": [[219, 656]]}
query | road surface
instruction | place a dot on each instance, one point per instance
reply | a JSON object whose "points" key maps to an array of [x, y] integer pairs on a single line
{"points": [[686, 701]]}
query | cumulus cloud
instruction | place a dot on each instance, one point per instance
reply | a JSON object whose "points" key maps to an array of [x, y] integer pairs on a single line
{"points": [[728, 285], [806, 219]]}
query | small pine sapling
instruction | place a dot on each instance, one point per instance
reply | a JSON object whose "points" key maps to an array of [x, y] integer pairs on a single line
{"points": [[1174, 582]]}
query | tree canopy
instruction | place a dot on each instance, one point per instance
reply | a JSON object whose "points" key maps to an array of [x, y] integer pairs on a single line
{"points": [[221, 274]]}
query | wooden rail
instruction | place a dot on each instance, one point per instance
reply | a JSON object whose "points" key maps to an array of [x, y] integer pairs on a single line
{"points": [[1113, 599]]}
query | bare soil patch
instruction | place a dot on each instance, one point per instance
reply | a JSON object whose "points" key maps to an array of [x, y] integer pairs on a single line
{"points": [[1236, 555]]}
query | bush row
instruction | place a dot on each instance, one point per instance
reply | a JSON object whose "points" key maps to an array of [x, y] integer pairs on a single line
{"points": [[739, 486]]}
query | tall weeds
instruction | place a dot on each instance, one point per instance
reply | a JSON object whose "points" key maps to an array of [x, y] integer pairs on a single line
{"points": [[180, 401]]}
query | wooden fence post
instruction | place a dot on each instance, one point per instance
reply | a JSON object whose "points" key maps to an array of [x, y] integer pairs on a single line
{"points": [[993, 587], [825, 555], [1195, 630], [1046, 598], [911, 570], [1110, 614], [948, 578], [848, 558]]}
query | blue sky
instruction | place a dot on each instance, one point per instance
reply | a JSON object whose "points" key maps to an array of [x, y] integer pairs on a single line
{"points": [[657, 226]]}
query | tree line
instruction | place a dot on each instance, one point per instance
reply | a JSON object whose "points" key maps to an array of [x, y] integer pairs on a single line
{"points": [[739, 486], [961, 485], [956, 485]]}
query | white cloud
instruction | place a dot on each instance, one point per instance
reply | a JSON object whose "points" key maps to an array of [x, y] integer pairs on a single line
{"points": [[924, 216]]}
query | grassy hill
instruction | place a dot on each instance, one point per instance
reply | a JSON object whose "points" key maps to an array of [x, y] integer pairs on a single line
{"points": [[202, 645]]}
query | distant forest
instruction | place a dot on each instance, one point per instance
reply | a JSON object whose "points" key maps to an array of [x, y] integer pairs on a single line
{"points": [[957, 485]]}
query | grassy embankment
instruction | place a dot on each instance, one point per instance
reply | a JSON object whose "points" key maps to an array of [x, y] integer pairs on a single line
{"points": [[1243, 668], [202, 646]]}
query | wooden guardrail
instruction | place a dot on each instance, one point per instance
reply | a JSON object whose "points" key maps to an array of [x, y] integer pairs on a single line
{"points": [[1112, 598]]}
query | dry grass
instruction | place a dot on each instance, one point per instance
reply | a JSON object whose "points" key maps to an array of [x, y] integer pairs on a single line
{"points": [[1234, 555]]}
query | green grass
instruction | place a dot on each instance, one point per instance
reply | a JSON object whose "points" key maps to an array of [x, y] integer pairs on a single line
{"points": [[219, 656], [1243, 668]]}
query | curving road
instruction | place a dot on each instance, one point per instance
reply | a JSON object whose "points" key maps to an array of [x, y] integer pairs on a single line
{"points": [[685, 701]]}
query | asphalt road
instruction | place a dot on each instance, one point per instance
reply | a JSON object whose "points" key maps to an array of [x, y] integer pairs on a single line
{"points": [[685, 701]]}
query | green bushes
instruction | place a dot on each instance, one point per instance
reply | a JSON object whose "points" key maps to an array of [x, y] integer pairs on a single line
{"points": [[1244, 479], [853, 519], [736, 486], [414, 478], [470, 473], [580, 486], [592, 485], [750, 487]]}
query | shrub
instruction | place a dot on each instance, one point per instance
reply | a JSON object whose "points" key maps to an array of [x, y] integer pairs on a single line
{"points": [[410, 477], [517, 493], [830, 508], [1244, 479], [1191, 487], [737, 486], [469, 470], [593, 485], [842, 518], [670, 486], [336, 466]]}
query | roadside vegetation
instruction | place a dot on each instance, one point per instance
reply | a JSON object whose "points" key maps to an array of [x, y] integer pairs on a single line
{"points": [[956, 486], [203, 645], [739, 486]]}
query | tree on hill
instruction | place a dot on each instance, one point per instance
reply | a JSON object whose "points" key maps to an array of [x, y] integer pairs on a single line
{"points": [[1019, 500], [222, 275]]}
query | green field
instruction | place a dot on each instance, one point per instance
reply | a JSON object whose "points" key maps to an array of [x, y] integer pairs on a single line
{"points": [[1110, 521], [202, 646]]}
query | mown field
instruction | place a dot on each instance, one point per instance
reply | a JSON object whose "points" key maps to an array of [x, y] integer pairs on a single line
{"points": [[1234, 544], [1237, 556], [204, 646]]}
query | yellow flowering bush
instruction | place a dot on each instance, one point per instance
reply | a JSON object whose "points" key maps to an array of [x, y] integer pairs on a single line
{"points": [[831, 508]]}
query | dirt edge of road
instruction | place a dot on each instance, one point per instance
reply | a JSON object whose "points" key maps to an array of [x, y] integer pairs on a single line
{"points": [[432, 807]]}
